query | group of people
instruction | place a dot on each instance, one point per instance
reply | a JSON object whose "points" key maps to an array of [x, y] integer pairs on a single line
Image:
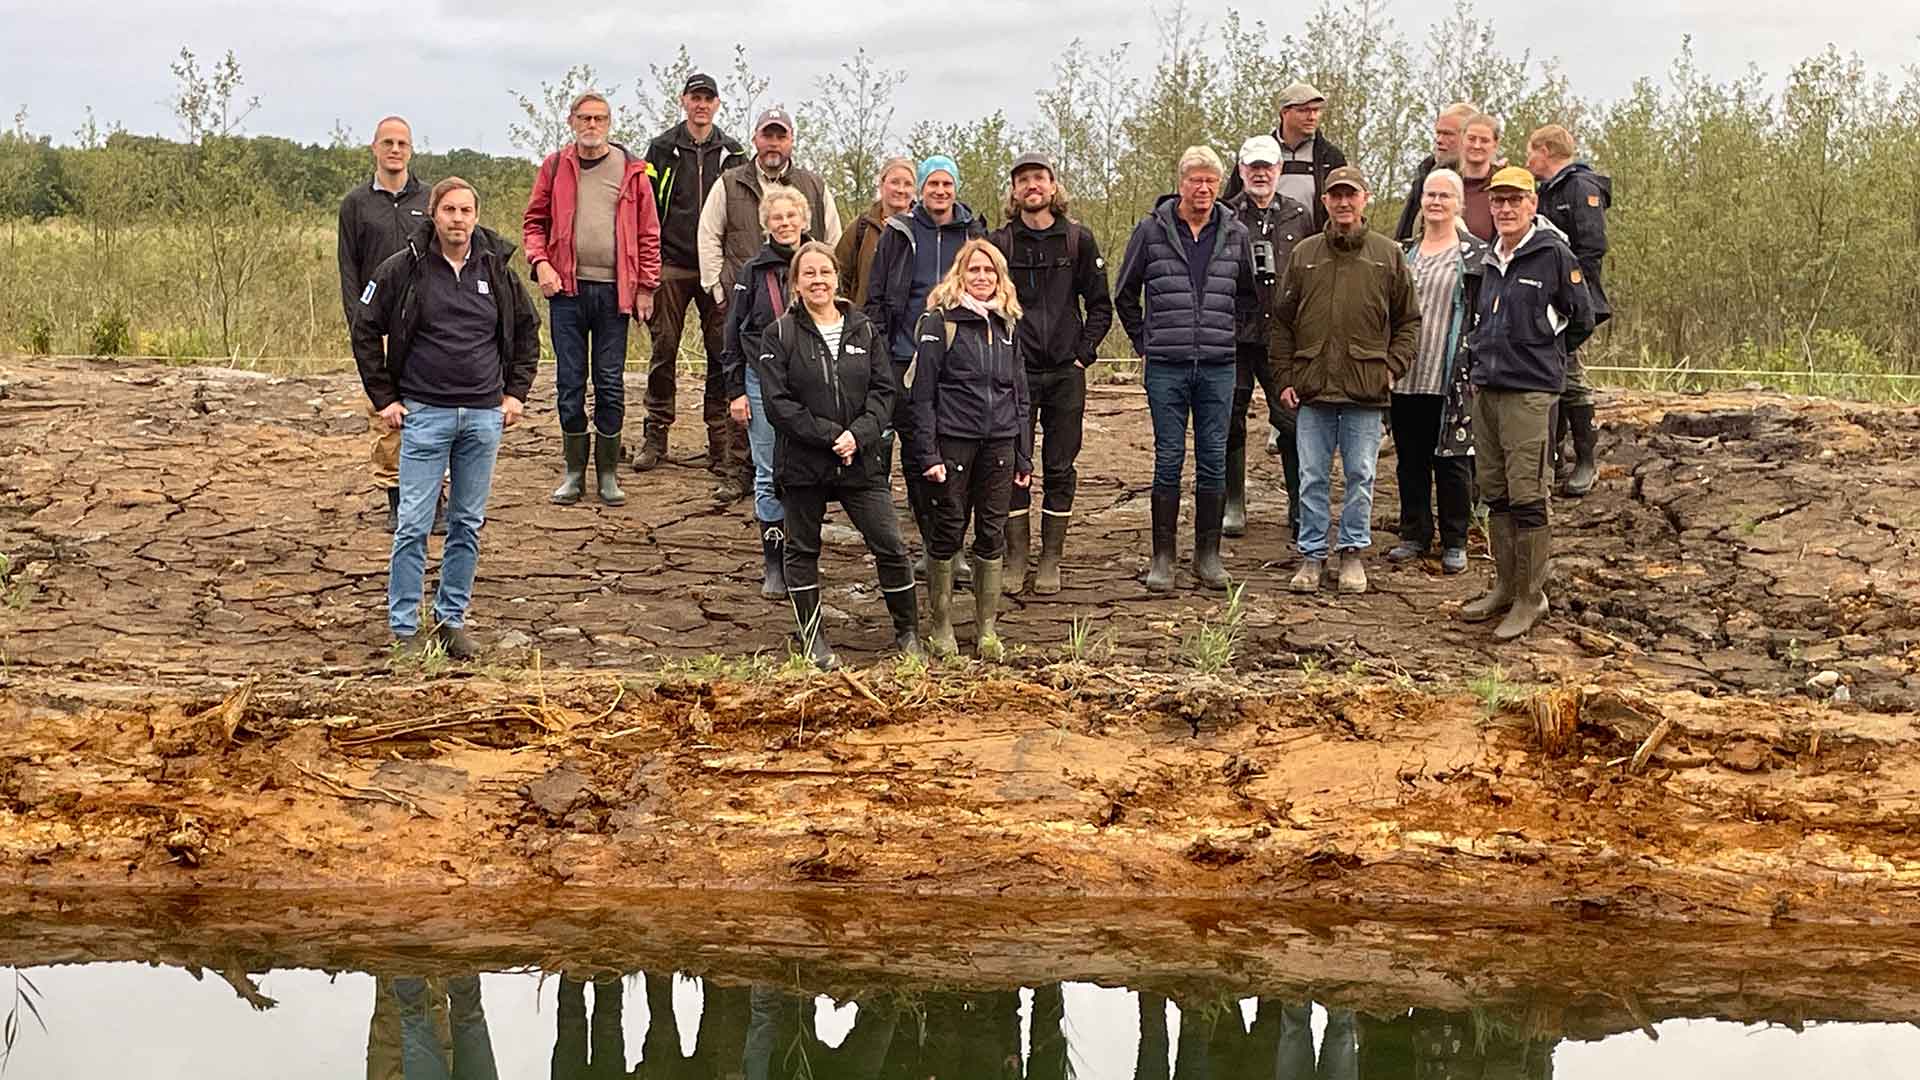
{"points": [[919, 335]]}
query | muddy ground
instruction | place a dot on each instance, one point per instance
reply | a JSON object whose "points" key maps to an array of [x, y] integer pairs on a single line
{"points": [[1715, 725]]}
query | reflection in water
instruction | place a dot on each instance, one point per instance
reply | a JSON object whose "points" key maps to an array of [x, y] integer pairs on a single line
{"points": [[604, 1026]]}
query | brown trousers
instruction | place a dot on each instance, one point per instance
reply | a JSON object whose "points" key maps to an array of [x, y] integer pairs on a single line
{"points": [[678, 289]]}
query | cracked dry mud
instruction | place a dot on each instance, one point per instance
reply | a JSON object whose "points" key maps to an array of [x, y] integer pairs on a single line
{"points": [[196, 694]]}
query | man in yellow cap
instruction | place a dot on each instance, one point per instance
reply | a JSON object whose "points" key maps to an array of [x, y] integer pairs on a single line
{"points": [[1534, 311]]}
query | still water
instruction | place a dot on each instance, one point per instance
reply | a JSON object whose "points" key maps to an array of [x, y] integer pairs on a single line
{"points": [[137, 1020]]}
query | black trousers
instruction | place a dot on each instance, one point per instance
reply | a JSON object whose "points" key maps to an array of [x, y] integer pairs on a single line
{"points": [[1253, 366], [869, 507], [1059, 397], [1415, 419], [903, 437], [979, 486]]}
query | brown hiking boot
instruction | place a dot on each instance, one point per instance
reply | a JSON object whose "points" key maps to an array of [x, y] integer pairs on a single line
{"points": [[458, 643], [653, 451], [1353, 573]]}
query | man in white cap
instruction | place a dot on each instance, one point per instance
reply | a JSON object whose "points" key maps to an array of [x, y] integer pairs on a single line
{"points": [[730, 234], [1274, 224], [1306, 157]]}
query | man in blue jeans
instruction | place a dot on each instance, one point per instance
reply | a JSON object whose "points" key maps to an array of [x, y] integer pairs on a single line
{"points": [[446, 339], [1191, 261], [593, 242], [1347, 326]]}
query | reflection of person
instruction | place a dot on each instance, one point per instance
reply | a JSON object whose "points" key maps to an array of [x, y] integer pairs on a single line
{"points": [[1448, 1046], [1048, 1056], [781, 1041], [1339, 1047], [590, 1052], [383, 1029], [423, 1055]]}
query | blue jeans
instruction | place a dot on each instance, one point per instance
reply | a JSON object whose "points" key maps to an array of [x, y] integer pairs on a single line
{"points": [[766, 503], [1175, 391], [461, 443], [591, 316], [422, 1056], [1355, 431]]}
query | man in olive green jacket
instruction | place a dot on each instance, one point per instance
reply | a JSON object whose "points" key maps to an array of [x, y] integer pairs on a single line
{"points": [[1347, 325]]}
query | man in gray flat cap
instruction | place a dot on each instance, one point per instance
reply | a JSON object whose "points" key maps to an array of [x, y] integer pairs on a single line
{"points": [[1306, 156]]}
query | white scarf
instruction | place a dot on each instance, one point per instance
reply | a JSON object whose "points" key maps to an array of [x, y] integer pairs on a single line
{"points": [[983, 308]]}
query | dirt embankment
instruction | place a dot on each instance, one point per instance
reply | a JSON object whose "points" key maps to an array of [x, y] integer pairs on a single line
{"points": [[1104, 782]]}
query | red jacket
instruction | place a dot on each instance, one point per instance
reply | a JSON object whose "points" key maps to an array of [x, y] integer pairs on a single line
{"points": [[548, 226]]}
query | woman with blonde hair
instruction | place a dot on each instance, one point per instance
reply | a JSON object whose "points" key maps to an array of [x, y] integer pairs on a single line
{"points": [[760, 295], [970, 437], [1431, 416], [853, 256]]}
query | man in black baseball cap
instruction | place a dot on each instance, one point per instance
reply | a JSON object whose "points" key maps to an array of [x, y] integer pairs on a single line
{"points": [[1065, 312], [684, 163]]}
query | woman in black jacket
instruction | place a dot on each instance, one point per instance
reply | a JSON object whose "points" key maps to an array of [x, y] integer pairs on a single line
{"points": [[971, 437], [760, 296], [827, 387]]}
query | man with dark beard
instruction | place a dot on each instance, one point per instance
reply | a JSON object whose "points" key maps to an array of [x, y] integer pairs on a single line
{"points": [[1347, 326], [1058, 274]]}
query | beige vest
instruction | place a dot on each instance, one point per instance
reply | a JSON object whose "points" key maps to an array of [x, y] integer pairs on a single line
{"points": [[744, 236]]}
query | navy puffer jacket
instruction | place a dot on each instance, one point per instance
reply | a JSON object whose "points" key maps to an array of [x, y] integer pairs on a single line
{"points": [[1175, 325]]}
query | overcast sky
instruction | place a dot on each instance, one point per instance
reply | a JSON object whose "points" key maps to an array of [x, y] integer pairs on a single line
{"points": [[449, 66]]}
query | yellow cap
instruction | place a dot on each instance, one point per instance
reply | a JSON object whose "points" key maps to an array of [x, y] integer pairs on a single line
{"points": [[1513, 176]]}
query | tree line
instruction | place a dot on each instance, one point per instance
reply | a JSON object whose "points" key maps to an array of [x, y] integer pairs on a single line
{"points": [[1758, 221]]}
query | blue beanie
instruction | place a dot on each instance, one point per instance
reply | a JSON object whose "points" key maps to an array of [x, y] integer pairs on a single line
{"points": [[934, 164]]}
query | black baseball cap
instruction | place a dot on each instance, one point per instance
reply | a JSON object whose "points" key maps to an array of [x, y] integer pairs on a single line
{"points": [[701, 81]]}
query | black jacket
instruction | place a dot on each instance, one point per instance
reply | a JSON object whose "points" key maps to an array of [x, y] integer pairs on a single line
{"points": [[890, 280], [1514, 344], [1175, 325], [1409, 225], [752, 308], [1054, 279], [374, 225], [812, 396], [1283, 223], [1326, 158], [682, 172], [1576, 201], [975, 389], [387, 314]]}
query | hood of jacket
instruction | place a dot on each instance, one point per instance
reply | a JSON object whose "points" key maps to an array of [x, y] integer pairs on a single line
{"points": [[1581, 168], [485, 241], [678, 136], [962, 217]]}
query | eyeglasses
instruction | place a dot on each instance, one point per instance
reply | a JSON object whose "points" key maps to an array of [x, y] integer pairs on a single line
{"points": [[587, 118], [1506, 200]]}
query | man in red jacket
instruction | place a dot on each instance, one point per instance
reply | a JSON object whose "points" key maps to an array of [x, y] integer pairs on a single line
{"points": [[593, 240]]}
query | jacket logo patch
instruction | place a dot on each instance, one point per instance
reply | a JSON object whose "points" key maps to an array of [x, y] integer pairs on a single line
{"points": [[416, 213], [1530, 281], [1099, 262], [482, 286], [1574, 277], [1593, 201], [929, 337], [366, 294], [855, 350]]}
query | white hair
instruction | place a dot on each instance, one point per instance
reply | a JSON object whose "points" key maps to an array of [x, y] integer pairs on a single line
{"points": [[1200, 157]]}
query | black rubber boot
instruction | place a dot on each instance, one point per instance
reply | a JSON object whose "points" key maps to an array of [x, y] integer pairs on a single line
{"points": [[1208, 509], [574, 484], [812, 628], [606, 469], [1053, 543], [1558, 422], [1019, 543], [1233, 520], [1585, 442], [1166, 521], [773, 544], [393, 509], [906, 621]]}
